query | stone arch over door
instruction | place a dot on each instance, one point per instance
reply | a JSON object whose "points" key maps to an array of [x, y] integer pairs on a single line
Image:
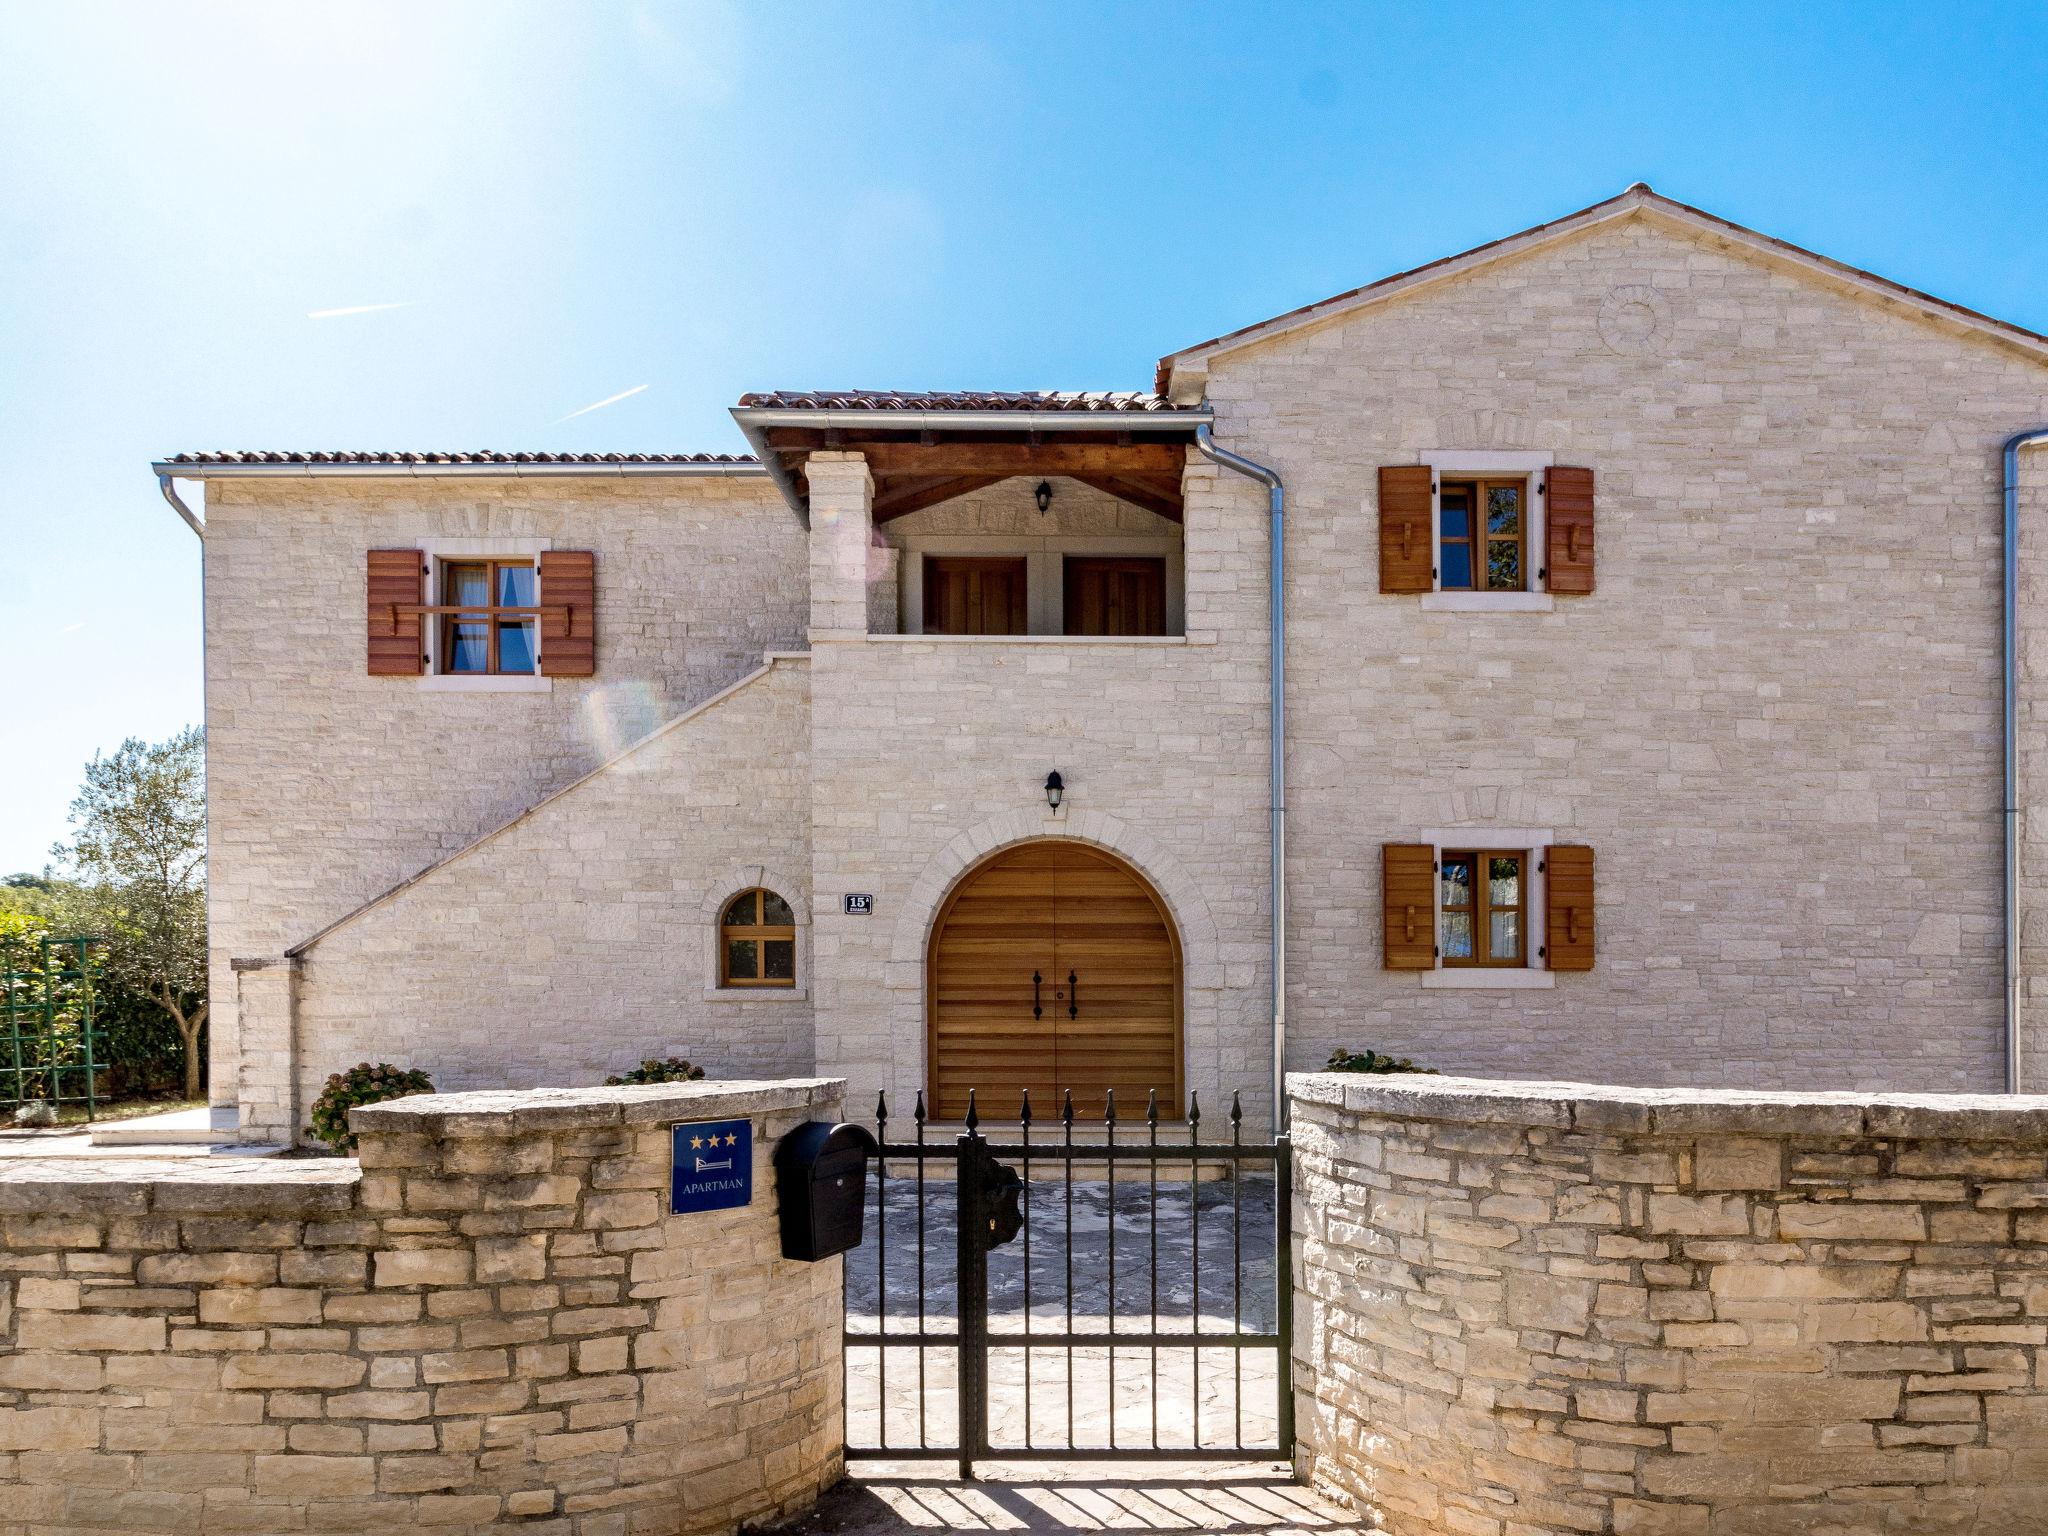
{"points": [[1202, 959]]}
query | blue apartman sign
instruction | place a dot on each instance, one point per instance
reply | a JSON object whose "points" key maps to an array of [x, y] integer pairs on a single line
{"points": [[712, 1167]]}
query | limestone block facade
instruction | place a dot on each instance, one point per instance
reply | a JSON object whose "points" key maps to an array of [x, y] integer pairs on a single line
{"points": [[327, 787], [1776, 720], [489, 1322]]}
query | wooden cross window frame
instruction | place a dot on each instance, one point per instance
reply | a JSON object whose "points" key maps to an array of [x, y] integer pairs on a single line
{"points": [[490, 615], [1480, 906], [1479, 542], [744, 920]]}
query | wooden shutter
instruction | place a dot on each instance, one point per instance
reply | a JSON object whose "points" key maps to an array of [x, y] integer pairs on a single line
{"points": [[1406, 538], [1408, 905], [1568, 907], [397, 578], [568, 618], [1568, 530]]}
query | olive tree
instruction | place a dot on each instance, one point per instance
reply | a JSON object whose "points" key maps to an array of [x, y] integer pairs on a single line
{"points": [[139, 852]]}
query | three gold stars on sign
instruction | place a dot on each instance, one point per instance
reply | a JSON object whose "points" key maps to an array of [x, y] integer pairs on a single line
{"points": [[731, 1139]]}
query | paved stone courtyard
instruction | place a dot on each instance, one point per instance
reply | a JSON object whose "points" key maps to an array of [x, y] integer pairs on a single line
{"points": [[1204, 1501], [1175, 1396]]}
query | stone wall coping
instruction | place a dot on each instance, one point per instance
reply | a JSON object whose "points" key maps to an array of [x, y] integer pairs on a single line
{"points": [[139, 1186], [1600, 1107], [507, 1112]]}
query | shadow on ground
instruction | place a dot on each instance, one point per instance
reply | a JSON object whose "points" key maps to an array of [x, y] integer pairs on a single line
{"points": [[1076, 1498]]}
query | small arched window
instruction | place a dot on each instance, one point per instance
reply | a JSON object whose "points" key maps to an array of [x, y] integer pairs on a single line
{"points": [[757, 941]]}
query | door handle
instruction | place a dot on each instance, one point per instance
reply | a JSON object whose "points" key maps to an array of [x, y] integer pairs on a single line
{"points": [[1073, 996], [1037, 1011]]}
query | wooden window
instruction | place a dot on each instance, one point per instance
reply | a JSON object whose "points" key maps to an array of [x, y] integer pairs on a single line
{"points": [[1483, 918], [1483, 538], [974, 595], [489, 617], [1119, 596], [757, 941]]}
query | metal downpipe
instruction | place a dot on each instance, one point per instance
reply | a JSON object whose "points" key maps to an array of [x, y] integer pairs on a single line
{"points": [[163, 483], [1276, 504], [2013, 445]]}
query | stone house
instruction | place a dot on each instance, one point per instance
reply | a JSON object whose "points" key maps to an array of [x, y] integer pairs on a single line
{"points": [[1643, 690]]}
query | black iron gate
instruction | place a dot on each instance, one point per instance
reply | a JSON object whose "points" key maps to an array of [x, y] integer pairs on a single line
{"points": [[1019, 1293]]}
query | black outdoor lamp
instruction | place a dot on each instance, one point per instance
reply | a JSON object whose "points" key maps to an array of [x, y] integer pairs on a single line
{"points": [[1055, 789], [1044, 495]]}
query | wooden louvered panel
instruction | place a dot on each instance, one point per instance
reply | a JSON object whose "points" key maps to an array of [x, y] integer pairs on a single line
{"points": [[568, 600], [396, 581], [1568, 530], [1407, 535], [1568, 907], [1408, 905], [1061, 910]]}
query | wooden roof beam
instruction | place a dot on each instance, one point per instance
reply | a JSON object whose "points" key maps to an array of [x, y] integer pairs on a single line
{"points": [[895, 499], [1151, 495], [999, 459]]}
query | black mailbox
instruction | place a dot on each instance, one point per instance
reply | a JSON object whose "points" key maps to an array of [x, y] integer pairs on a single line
{"points": [[821, 1179]]}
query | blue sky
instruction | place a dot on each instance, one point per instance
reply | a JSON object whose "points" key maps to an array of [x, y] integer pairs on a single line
{"points": [[571, 202]]}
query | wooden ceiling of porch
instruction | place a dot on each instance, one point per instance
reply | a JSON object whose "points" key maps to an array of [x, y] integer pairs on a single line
{"points": [[918, 469]]}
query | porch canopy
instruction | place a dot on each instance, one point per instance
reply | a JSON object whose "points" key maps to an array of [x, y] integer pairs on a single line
{"points": [[927, 447]]}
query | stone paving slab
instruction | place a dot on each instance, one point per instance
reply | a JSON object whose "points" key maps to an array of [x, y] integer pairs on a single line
{"points": [[884, 1500]]}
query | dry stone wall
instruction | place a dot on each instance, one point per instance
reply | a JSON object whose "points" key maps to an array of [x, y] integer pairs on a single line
{"points": [[489, 1324], [1527, 1309]]}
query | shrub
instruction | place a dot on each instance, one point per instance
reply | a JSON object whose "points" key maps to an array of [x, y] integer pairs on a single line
{"points": [[1342, 1060], [672, 1069], [360, 1084]]}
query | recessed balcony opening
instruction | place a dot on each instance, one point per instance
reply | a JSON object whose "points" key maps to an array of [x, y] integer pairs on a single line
{"points": [[993, 561]]}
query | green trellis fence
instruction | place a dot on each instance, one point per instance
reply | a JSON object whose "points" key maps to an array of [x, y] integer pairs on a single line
{"points": [[53, 1047]]}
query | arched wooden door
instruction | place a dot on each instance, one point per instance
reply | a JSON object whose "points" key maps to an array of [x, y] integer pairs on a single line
{"points": [[1053, 966]]}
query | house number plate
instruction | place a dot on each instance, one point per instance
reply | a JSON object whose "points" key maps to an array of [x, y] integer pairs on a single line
{"points": [[859, 904], [713, 1166]]}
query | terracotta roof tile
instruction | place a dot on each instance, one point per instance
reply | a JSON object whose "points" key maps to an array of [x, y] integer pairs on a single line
{"points": [[348, 456], [954, 400]]}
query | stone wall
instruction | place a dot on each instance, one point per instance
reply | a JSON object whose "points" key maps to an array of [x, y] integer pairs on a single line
{"points": [[1776, 721], [491, 1324], [583, 938], [1531, 1309], [327, 786]]}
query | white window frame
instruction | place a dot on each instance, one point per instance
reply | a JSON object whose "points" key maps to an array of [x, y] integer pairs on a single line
{"points": [[442, 552], [1463, 463], [1532, 974]]}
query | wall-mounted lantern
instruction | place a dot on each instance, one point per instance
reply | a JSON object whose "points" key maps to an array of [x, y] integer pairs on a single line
{"points": [[1044, 495], [1055, 789]]}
